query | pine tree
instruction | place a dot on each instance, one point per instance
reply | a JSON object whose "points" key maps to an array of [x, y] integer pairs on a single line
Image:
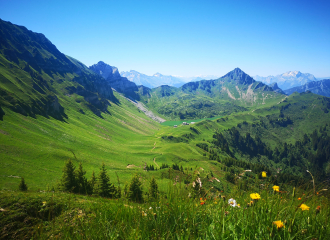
{"points": [[91, 184], [68, 180], [135, 190], [153, 189], [22, 185], [103, 187], [81, 180]]}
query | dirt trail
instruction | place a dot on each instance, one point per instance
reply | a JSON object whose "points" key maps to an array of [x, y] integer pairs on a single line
{"points": [[155, 162], [153, 147]]}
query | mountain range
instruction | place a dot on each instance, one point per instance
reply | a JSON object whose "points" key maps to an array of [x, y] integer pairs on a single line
{"points": [[321, 87], [288, 80], [158, 79], [236, 91], [153, 81]]}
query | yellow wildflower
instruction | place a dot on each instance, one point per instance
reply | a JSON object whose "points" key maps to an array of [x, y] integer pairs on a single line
{"points": [[279, 224], [254, 196], [276, 188], [264, 174], [304, 207]]}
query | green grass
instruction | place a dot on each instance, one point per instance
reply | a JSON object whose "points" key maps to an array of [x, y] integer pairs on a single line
{"points": [[175, 215], [172, 123]]}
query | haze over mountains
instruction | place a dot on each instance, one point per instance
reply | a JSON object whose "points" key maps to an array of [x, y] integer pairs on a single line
{"points": [[284, 81], [321, 87], [158, 79], [153, 81], [287, 80]]}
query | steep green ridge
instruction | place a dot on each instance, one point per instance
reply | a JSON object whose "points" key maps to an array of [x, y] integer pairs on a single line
{"points": [[234, 92], [36, 78]]}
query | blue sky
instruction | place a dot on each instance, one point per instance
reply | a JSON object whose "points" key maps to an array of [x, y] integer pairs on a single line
{"points": [[185, 38]]}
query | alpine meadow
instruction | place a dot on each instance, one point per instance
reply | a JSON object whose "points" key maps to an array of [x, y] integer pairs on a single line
{"points": [[86, 153]]}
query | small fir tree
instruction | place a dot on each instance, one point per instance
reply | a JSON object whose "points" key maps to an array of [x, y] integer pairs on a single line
{"points": [[104, 188], [81, 180], [153, 189], [68, 180], [22, 185], [135, 192]]}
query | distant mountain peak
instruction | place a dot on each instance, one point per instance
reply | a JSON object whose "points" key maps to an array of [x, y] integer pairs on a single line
{"points": [[291, 74], [157, 74]]}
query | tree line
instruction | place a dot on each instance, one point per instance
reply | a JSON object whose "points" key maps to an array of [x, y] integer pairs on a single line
{"points": [[74, 180]]}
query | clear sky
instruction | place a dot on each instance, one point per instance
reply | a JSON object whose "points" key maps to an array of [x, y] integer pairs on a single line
{"points": [[185, 38]]}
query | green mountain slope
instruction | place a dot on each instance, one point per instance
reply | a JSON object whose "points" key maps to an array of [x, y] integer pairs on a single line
{"points": [[292, 136], [36, 78], [54, 108]]}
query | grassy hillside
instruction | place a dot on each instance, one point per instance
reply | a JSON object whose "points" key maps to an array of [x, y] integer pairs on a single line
{"points": [[36, 148]]}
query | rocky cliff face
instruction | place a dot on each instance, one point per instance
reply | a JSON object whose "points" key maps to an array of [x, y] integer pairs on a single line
{"points": [[112, 76], [275, 88], [105, 70], [320, 87]]}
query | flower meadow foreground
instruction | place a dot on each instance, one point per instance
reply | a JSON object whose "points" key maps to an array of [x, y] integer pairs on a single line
{"points": [[267, 214]]}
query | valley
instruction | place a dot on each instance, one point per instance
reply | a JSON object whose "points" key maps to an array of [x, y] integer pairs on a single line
{"points": [[62, 120], [93, 115]]}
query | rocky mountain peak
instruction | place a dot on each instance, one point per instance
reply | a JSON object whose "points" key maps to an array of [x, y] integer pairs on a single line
{"points": [[105, 70], [120, 84], [236, 73], [239, 76], [276, 88]]}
